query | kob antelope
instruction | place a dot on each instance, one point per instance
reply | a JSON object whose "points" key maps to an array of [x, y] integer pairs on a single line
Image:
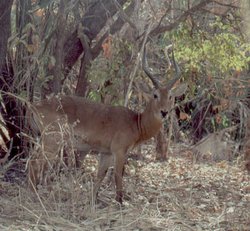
{"points": [[110, 130]]}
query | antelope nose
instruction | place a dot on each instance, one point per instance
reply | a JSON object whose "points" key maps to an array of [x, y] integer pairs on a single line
{"points": [[164, 113]]}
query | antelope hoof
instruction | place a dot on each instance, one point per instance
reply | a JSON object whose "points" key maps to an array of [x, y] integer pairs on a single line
{"points": [[118, 198]]}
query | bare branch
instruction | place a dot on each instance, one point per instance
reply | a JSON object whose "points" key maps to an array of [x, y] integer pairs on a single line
{"points": [[116, 26], [132, 75], [124, 15], [234, 4], [182, 17]]}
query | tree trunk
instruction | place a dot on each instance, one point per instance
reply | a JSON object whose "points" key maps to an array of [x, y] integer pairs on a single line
{"points": [[161, 146], [92, 23], [5, 10], [60, 38], [247, 146], [6, 79]]}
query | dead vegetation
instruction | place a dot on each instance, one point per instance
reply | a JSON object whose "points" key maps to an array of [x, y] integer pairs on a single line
{"points": [[179, 194]]}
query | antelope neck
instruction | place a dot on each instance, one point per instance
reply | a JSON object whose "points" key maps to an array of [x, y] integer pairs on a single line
{"points": [[148, 125]]}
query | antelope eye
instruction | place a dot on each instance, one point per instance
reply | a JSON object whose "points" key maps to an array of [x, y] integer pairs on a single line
{"points": [[155, 96]]}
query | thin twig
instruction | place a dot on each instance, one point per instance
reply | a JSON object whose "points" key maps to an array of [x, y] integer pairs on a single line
{"points": [[133, 73]]}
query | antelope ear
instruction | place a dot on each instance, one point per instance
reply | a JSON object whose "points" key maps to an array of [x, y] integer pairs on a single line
{"points": [[179, 90]]}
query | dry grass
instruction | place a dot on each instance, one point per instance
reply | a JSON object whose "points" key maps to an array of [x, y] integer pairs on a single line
{"points": [[172, 195]]}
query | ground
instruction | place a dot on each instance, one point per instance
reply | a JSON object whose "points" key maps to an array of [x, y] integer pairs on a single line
{"points": [[179, 194]]}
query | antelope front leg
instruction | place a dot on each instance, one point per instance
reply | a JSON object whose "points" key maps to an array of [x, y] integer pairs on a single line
{"points": [[119, 169]]}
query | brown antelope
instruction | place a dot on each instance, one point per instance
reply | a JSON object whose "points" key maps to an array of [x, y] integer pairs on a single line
{"points": [[110, 130]]}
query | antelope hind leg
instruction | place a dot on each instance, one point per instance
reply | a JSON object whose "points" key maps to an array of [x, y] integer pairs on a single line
{"points": [[105, 161]]}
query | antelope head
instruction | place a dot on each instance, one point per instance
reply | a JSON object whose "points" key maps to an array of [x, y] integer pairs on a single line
{"points": [[161, 104]]}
